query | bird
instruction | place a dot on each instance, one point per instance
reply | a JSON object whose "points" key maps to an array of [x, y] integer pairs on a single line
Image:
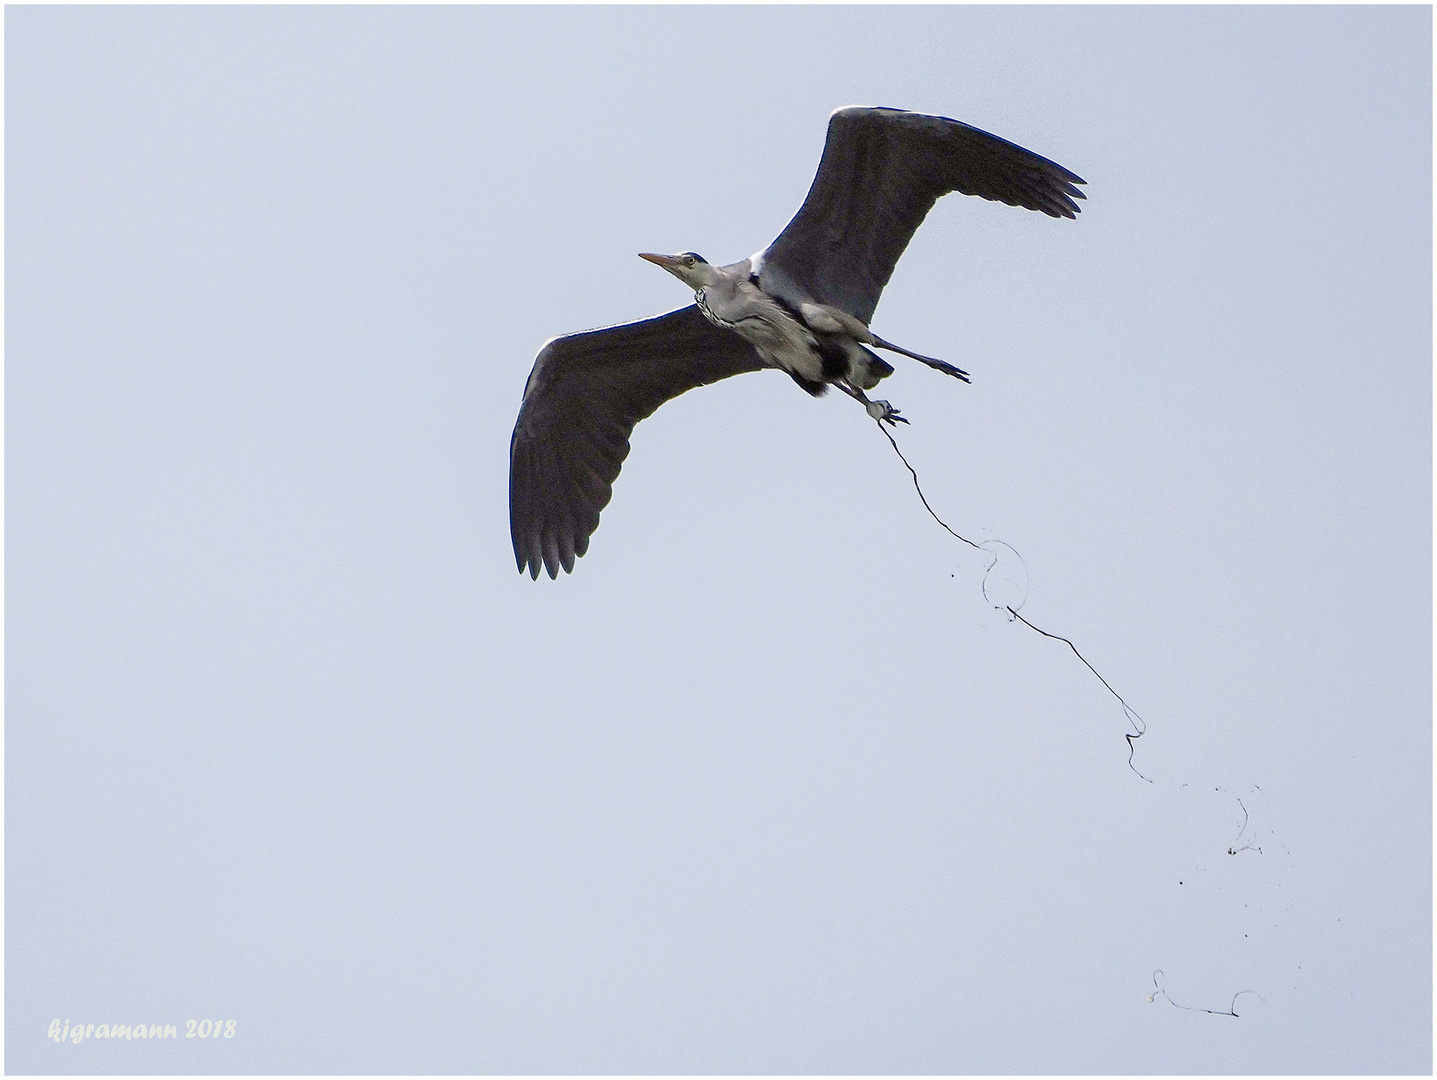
{"points": [[802, 305]]}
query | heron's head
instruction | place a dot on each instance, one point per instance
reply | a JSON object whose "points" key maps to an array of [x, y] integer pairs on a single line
{"points": [[690, 268]]}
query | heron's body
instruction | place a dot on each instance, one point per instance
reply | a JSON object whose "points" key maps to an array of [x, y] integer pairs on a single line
{"points": [[806, 340], [801, 305], [735, 302]]}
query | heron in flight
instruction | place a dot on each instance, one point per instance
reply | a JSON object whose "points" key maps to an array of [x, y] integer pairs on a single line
{"points": [[801, 305]]}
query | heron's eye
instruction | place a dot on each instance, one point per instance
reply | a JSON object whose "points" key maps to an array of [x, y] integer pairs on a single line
{"points": [[688, 260]]}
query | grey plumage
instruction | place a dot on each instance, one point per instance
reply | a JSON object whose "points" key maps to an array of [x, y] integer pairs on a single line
{"points": [[802, 305], [881, 172], [583, 398]]}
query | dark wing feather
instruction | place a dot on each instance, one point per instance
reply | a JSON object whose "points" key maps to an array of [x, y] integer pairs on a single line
{"points": [[882, 171], [583, 398]]}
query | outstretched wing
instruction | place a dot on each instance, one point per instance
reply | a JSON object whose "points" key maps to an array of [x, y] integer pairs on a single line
{"points": [[882, 171], [583, 398]]}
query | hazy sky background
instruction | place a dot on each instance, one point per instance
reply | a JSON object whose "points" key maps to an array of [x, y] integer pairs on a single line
{"points": [[765, 785]]}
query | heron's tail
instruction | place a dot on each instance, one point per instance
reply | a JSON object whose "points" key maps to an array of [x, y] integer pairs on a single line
{"points": [[939, 365]]}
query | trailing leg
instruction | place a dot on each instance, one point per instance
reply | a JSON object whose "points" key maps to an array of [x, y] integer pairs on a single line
{"points": [[939, 365]]}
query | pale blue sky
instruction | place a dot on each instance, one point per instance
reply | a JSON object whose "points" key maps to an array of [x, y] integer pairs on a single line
{"points": [[764, 786]]}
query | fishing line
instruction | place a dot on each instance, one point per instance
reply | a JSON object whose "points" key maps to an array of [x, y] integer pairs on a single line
{"points": [[1159, 990], [1139, 725]]}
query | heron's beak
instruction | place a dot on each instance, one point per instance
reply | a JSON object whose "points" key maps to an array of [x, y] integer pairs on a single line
{"points": [[668, 262]]}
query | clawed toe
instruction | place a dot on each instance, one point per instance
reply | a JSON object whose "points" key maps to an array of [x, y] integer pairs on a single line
{"points": [[947, 368], [956, 372], [884, 413]]}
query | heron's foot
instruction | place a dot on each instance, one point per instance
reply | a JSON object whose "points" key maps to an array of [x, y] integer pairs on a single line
{"points": [[884, 413], [947, 368]]}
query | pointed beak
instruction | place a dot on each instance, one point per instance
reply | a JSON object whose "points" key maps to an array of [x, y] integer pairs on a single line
{"points": [[668, 262]]}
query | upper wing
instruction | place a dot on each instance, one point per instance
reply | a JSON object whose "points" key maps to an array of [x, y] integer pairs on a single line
{"points": [[882, 171], [583, 398]]}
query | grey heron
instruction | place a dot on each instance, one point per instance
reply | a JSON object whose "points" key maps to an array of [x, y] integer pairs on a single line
{"points": [[801, 305]]}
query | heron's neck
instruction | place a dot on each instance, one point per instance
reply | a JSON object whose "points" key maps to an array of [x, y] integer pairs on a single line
{"points": [[710, 277]]}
